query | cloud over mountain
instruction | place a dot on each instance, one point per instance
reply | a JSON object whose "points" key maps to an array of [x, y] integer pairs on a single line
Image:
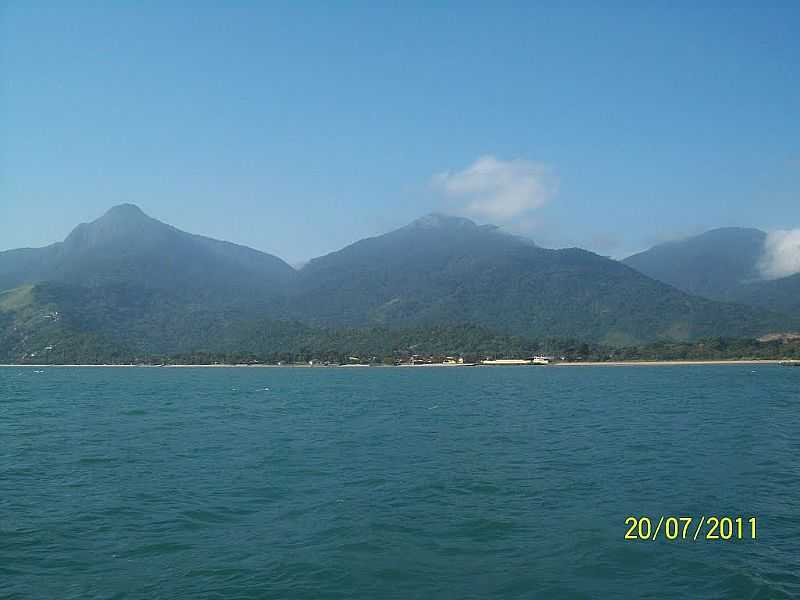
{"points": [[498, 190], [781, 254]]}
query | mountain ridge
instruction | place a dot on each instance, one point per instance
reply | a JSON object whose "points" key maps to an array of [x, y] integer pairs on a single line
{"points": [[129, 281], [508, 276]]}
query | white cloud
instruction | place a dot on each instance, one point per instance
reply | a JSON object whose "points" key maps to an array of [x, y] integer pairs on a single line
{"points": [[497, 190], [781, 254]]}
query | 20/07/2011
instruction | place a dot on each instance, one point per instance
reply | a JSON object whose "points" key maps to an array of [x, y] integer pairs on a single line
{"points": [[674, 528]]}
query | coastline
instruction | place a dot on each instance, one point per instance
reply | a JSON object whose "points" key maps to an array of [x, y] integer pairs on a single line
{"points": [[629, 363], [667, 363]]}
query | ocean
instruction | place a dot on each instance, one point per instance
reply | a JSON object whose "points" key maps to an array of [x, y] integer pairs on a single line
{"points": [[383, 483]]}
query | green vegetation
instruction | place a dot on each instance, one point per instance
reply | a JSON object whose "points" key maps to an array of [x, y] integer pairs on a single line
{"points": [[499, 347], [708, 349], [38, 334], [16, 299], [127, 288]]}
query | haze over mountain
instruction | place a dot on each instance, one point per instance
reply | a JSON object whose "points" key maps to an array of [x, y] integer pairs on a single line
{"points": [[128, 281], [722, 264]]}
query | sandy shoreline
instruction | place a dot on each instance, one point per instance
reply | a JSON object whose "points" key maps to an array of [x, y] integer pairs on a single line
{"points": [[667, 363], [631, 363]]}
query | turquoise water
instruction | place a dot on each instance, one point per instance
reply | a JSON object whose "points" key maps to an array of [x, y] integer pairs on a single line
{"points": [[395, 483]]}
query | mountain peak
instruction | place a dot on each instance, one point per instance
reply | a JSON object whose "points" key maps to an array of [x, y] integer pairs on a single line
{"points": [[440, 221], [121, 224], [124, 212]]}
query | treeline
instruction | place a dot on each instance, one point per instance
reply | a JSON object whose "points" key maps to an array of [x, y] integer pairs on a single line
{"points": [[381, 345], [285, 342], [707, 349], [123, 324], [710, 349]]}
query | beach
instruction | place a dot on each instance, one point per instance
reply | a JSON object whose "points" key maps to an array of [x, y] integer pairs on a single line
{"points": [[627, 363]]}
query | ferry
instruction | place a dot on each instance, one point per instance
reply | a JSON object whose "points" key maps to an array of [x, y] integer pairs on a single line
{"points": [[507, 361], [536, 360]]}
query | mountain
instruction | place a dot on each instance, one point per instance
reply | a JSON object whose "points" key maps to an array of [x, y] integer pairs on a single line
{"points": [[129, 285], [781, 295], [125, 246], [131, 282], [721, 264], [446, 269], [712, 264]]}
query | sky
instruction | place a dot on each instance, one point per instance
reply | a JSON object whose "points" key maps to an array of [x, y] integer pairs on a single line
{"points": [[299, 127]]}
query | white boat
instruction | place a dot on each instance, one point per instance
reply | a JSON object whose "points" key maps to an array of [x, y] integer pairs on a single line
{"points": [[507, 361]]}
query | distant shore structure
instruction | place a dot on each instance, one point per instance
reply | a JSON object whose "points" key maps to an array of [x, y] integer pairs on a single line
{"points": [[536, 360]]}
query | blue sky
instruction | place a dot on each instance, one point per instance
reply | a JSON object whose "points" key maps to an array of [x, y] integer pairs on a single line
{"points": [[299, 127]]}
